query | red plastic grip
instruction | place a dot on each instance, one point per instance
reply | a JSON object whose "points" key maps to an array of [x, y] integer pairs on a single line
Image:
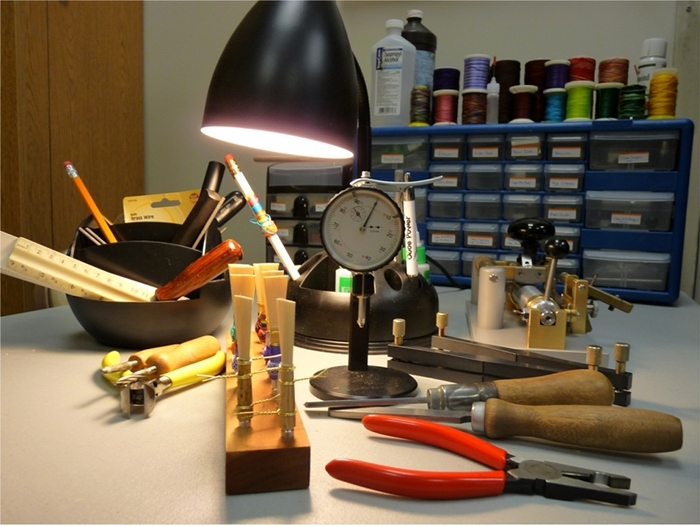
{"points": [[418, 484], [449, 438]]}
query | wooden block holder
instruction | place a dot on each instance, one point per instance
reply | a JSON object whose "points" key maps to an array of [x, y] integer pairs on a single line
{"points": [[258, 459]]}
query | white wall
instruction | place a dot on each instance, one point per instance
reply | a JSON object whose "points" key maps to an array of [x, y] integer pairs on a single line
{"points": [[183, 41]]}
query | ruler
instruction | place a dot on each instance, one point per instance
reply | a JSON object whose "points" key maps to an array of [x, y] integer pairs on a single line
{"points": [[35, 263]]}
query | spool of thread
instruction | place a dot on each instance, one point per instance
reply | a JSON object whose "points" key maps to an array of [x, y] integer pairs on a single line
{"points": [[476, 71], [613, 70], [607, 101], [535, 75], [492, 297], [446, 78], [523, 96], [420, 106], [582, 68], [507, 73], [579, 100], [556, 73], [474, 106], [445, 106], [632, 102], [663, 92], [555, 105]]}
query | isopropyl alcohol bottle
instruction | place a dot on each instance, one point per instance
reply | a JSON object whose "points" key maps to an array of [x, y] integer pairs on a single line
{"points": [[393, 67], [426, 45]]}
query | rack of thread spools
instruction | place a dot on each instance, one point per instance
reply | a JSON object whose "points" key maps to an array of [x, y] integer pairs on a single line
{"points": [[551, 91], [615, 189]]}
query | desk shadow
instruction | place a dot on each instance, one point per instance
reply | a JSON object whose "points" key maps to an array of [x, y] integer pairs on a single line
{"points": [[244, 508]]}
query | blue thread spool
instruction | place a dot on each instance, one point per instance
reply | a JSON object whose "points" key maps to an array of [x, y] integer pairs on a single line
{"points": [[446, 78], [555, 105]]}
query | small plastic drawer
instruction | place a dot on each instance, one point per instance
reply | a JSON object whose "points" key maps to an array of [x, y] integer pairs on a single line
{"points": [[572, 235], [482, 206], [299, 232], [447, 147], [568, 265], [564, 177], [421, 195], [520, 206], [409, 152], [507, 242], [521, 146], [445, 205], [567, 146], [304, 176], [484, 176], [452, 176], [629, 210], [468, 260], [485, 147], [448, 260], [523, 177], [297, 205], [634, 150], [444, 234], [563, 208], [627, 269], [480, 235]]}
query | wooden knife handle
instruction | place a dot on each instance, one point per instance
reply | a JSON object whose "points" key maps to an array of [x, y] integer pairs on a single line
{"points": [[187, 353], [582, 387], [201, 271]]}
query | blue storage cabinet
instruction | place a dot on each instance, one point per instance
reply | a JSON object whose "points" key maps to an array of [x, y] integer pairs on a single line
{"points": [[557, 168]]}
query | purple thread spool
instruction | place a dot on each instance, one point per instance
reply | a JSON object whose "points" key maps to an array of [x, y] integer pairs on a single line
{"points": [[476, 71], [446, 78], [556, 73]]}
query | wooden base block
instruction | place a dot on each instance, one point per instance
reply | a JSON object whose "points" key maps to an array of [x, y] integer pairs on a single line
{"points": [[258, 459]]}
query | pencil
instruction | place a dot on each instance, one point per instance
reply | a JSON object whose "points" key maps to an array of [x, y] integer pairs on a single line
{"points": [[73, 174]]}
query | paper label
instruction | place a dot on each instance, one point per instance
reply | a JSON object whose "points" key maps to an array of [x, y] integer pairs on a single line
{"points": [[446, 153], [485, 152], [566, 152], [446, 182], [320, 207], [392, 158], [479, 241], [283, 233], [562, 183], [525, 151], [509, 242], [562, 214], [633, 157], [172, 207], [626, 219], [443, 239], [523, 182], [278, 207]]}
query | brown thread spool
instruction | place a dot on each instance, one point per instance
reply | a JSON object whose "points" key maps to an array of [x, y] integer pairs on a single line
{"points": [[474, 106], [522, 102], [613, 70], [445, 108], [581, 68], [507, 73]]}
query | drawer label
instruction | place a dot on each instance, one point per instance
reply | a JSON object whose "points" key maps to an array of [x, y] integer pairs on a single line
{"points": [[522, 182], [562, 214], [485, 152], [563, 183], [633, 157], [625, 219], [525, 151], [392, 158], [479, 241], [447, 182], [566, 152], [283, 233], [446, 153], [509, 242], [278, 207], [320, 207], [443, 239]]}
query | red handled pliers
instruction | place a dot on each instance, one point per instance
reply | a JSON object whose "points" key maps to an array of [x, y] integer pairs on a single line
{"points": [[530, 477]]}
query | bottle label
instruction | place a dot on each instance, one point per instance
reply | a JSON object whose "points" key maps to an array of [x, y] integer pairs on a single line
{"points": [[387, 89], [425, 68]]}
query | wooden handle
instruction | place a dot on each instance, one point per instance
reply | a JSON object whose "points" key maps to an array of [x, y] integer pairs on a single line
{"points": [[612, 428], [186, 353], [201, 271], [142, 357], [581, 387]]}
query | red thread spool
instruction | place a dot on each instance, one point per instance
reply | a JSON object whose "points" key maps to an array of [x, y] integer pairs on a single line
{"points": [[522, 102], [613, 70], [445, 109], [474, 106], [581, 68]]}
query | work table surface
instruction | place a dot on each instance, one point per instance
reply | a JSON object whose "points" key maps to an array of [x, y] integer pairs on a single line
{"points": [[70, 456]]}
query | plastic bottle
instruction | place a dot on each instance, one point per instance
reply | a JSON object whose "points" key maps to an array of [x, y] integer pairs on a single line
{"points": [[393, 67], [653, 57], [426, 45], [493, 90]]}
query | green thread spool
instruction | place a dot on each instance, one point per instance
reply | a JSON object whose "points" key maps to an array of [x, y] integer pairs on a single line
{"points": [[632, 102], [579, 100], [607, 101]]}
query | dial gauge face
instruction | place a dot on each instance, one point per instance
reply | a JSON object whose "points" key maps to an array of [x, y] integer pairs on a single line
{"points": [[362, 229]]}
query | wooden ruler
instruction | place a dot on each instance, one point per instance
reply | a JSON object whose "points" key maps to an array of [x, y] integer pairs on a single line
{"points": [[35, 263]]}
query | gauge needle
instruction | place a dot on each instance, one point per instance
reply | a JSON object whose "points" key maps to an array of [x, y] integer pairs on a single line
{"points": [[364, 225]]}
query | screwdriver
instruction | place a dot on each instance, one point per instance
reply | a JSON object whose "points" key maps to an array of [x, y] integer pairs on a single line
{"points": [[609, 428], [135, 362], [168, 360], [583, 387]]}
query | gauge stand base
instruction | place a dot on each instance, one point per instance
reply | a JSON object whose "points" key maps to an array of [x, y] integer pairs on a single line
{"points": [[375, 382]]}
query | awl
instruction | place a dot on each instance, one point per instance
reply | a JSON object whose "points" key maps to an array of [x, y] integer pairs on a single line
{"points": [[582, 387], [135, 362], [599, 427]]}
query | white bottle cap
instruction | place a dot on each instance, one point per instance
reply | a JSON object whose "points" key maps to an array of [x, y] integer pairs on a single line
{"points": [[394, 22], [493, 86], [654, 47], [414, 13]]}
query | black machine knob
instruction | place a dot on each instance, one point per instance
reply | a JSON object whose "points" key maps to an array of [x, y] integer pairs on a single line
{"points": [[557, 248], [530, 232]]}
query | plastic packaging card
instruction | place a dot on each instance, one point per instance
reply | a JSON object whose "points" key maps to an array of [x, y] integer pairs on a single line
{"points": [[165, 208]]}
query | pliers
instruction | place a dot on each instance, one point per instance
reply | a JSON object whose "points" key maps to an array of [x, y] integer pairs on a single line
{"points": [[530, 477]]}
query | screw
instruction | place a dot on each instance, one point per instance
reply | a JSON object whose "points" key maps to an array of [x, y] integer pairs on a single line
{"points": [[441, 322], [493, 277], [621, 352], [594, 355]]}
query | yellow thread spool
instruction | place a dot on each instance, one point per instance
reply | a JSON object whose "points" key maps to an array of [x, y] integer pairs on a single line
{"points": [[663, 92]]}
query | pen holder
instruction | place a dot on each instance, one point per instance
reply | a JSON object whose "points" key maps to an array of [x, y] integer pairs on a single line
{"points": [[145, 254]]}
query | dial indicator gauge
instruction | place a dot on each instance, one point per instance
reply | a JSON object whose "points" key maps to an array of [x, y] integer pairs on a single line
{"points": [[362, 229]]}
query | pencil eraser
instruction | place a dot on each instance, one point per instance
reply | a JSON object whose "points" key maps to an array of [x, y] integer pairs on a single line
{"points": [[228, 157], [67, 163]]}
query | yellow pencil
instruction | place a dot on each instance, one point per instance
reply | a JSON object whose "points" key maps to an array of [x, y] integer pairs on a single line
{"points": [[73, 174]]}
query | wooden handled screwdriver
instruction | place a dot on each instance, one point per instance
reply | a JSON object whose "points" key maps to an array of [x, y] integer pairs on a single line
{"points": [[580, 386], [137, 360], [186, 353]]}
